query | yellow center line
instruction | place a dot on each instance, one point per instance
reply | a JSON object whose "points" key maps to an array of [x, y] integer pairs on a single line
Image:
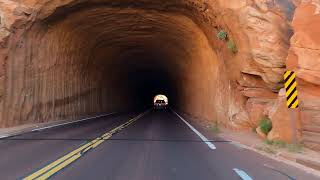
{"points": [[57, 168], [55, 163], [64, 161]]}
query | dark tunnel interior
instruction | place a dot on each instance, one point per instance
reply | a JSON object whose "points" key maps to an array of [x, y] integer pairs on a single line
{"points": [[147, 81]]}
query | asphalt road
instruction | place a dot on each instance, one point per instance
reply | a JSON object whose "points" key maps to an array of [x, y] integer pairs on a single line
{"points": [[156, 146]]}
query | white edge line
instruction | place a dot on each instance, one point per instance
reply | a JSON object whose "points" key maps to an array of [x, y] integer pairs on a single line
{"points": [[56, 125], [4, 136], [72, 122], [203, 138], [243, 175], [279, 159]]}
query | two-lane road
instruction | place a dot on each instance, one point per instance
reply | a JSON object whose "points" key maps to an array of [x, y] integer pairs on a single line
{"points": [[155, 145]]}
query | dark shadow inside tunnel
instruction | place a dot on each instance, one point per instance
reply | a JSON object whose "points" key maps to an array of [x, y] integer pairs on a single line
{"points": [[144, 78]]}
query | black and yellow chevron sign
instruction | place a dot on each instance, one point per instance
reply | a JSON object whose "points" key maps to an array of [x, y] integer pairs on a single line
{"points": [[291, 89]]}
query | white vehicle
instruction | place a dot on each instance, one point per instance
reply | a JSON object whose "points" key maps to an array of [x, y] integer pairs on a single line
{"points": [[160, 102]]}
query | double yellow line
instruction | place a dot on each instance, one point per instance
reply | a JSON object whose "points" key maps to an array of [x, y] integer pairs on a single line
{"points": [[71, 157]]}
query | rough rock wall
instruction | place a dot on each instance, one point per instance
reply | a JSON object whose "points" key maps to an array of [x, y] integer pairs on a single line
{"points": [[46, 72], [279, 35], [304, 58], [261, 29]]}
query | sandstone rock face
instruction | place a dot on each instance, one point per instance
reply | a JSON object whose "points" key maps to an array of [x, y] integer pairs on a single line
{"points": [[262, 31], [268, 32], [256, 110], [304, 58], [71, 58]]}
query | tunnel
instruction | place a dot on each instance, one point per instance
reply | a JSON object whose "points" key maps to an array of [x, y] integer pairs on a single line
{"points": [[79, 59], [217, 61]]}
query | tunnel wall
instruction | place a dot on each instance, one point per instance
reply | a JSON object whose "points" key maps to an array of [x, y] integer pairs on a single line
{"points": [[56, 80]]}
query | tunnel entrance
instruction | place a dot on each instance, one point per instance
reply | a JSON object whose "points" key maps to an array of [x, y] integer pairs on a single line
{"points": [[88, 59]]}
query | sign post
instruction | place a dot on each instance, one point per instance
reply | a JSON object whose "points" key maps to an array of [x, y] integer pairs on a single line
{"points": [[292, 101]]}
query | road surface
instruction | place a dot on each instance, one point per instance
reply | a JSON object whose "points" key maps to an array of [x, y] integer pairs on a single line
{"points": [[156, 145]]}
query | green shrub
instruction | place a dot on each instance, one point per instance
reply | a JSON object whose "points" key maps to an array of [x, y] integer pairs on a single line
{"points": [[265, 125], [222, 35], [232, 46]]}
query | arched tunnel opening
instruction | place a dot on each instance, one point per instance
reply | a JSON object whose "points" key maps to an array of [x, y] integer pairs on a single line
{"points": [[87, 60], [77, 59]]}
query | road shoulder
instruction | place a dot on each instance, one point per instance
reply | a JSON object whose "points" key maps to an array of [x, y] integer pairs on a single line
{"points": [[27, 128], [307, 160]]}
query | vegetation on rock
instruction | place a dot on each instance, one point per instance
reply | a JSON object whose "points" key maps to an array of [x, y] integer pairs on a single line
{"points": [[265, 125], [232, 46], [222, 35]]}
